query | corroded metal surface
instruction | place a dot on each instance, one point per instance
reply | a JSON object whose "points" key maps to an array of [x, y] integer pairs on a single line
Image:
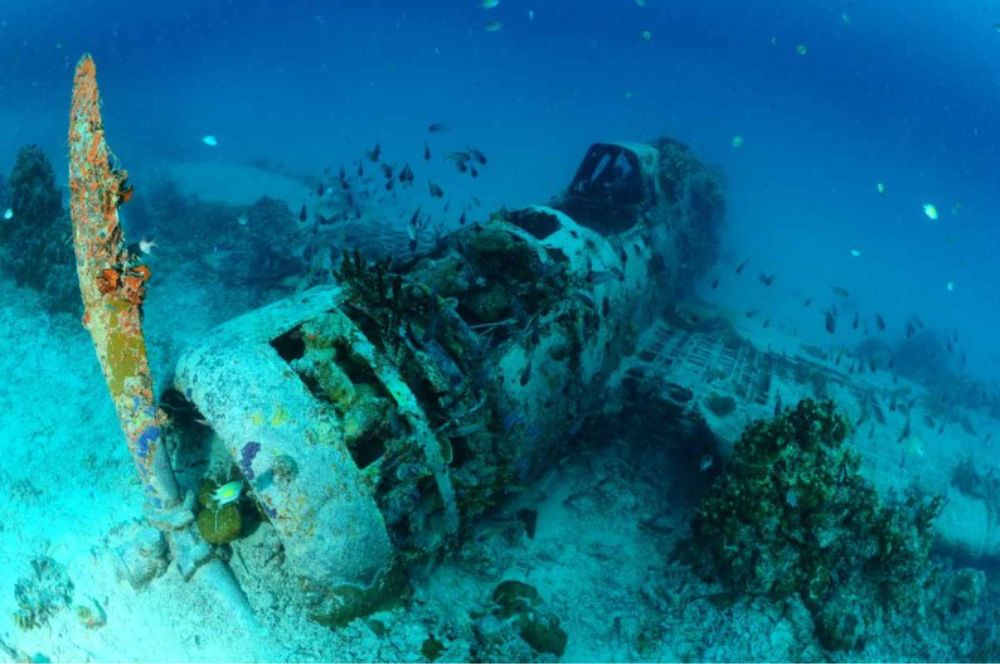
{"points": [[113, 285], [373, 418], [293, 454]]}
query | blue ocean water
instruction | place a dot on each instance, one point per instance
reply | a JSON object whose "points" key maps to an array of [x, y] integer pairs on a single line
{"points": [[835, 125], [899, 94]]}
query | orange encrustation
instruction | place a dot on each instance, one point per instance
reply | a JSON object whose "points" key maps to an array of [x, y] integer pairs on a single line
{"points": [[113, 287]]}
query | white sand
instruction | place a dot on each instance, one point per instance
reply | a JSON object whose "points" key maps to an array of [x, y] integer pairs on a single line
{"points": [[236, 184], [68, 482]]}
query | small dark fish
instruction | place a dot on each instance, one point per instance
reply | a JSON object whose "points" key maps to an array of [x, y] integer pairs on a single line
{"points": [[767, 279], [857, 320], [361, 169], [741, 266], [753, 312], [462, 166], [525, 375], [303, 214], [466, 430], [388, 185], [583, 297], [941, 428], [406, 174], [414, 218], [528, 518], [343, 174], [375, 152], [598, 277], [906, 432], [910, 329], [387, 171], [830, 322], [461, 220], [473, 172], [427, 152], [320, 190], [807, 302], [767, 323], [880, 322], [438, 127], [436, 191], [478, 156], [715, 283], [840, 292]]}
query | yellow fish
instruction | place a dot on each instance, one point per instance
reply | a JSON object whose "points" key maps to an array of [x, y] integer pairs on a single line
{"points": [[227, 493]]}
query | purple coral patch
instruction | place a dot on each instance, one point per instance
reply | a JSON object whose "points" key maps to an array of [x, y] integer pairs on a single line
{"points": [[246, 458], [147, 438]]}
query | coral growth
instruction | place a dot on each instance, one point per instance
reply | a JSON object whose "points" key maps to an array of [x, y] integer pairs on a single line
{"points": [[518, 608], [721, 405], [698, 194], [261, 248], [42, 593], [36, 239], [793, 516], [220, 525], [217, 523], [252, 251]]}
